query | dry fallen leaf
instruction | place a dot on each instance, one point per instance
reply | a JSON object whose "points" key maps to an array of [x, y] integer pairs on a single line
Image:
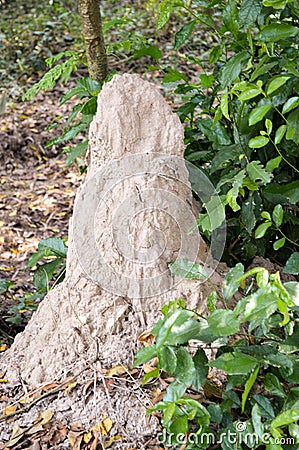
{"points": [[70, 386], [44, 417], [148, 368], [9, 409], [87, 437], [117, 371], [112, 440], [16, 435], [3, 347], [59, 434], [157, 396], [146, 338], [104, 426], [75, 439]]}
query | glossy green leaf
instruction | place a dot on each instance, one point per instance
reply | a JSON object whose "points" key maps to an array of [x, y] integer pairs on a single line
{"points": [[167, 359], [247, 214], [225, 154], [277, 215], [272, 384], [183, 34], [256, 419], [266, 215], [77, 90], [149, 375], [37, 256], [212, 300], [207, 80], [168, 413], [90, 107], [75, 152], [175, 390], [251, 185], [201, 369], [257, 172], [262, 68], [265, 406], [235, 363], [178, 328], [262, 278], [145, 354], [292, 264], [258, 113], [276, 83], [230, 17], [290, 104], [285, 363], [55, 245], [230, 282], [282, 193], [258, 142], [233, 193], [276, 31], [261, 230], [217, 134], [233, 67], [279, 243], [284, 418], [44, 274], [215, 412], [249, 12], [73, 131], [224, 105], [248, 385], [257, 307], [165, 8], [185, 370], [276, 4], [294, 431], [269, 126], [273, 164], [249, 93], [223, 322], [179, 426]]}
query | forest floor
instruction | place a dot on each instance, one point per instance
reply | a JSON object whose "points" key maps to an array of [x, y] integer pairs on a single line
{"points": [[37, 193]]}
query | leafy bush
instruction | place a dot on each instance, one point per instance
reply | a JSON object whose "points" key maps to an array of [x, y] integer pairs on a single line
{"points": [[241, 117], [256, 346], [54, 251], [48, 264]]}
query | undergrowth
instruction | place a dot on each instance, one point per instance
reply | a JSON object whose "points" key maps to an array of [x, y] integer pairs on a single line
{"points": [[254, 347]]}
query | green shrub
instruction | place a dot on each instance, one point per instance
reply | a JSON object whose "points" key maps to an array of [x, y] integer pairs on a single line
{"points": [[256, 346], [242, 117]]}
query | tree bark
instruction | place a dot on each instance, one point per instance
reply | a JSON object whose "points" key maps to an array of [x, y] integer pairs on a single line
{"points": [[89, 11]]}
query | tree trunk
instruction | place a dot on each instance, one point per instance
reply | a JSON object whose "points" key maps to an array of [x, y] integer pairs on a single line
{"points": [[89, 11]]}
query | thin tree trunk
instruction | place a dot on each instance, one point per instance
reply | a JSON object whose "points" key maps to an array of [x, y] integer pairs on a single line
{"points": [[89, 11]]}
